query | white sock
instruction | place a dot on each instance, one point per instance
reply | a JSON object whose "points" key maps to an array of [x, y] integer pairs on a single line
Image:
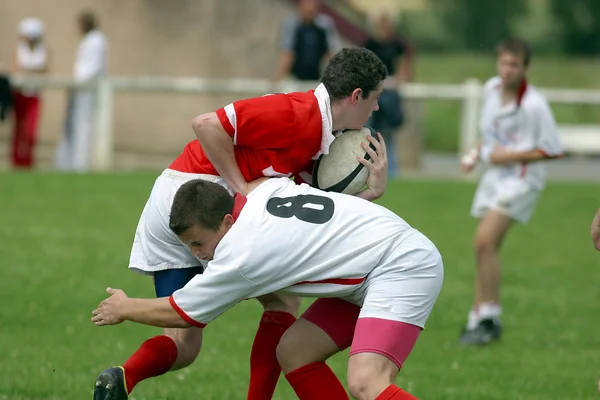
{"points": [[473, 320], [489, 310]]}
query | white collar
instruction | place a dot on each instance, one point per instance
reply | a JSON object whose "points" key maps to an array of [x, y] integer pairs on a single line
{"points": [[327, 121]]}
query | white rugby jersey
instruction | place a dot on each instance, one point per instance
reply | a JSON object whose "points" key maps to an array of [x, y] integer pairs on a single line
{"points": [[292, 239], [522, 125]]}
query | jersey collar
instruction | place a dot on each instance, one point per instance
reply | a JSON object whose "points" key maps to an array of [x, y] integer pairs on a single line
{"points": [[327, 124], [239, 201]]}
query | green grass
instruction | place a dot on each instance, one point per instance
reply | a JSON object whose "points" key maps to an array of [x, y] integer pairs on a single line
{"points": [[64, 238], [442, 118]]}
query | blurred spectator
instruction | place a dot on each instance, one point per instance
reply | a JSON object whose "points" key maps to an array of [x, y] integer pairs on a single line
{"points": [[308, 40], [31, 57], [6, 95], [596, 232], [396, 54], [75, 149]]}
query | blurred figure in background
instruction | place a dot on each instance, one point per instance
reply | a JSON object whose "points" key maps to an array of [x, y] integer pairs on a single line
{"points": [[31, 57], [396, 54], [75, 149], [518, 132], [596, 231], [308, 40]]}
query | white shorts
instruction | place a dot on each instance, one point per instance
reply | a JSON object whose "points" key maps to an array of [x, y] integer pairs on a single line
{"points": [[406, 283], [155, 246], [511, 196]]}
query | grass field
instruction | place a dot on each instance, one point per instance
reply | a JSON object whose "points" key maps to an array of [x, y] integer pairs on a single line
{"points": [[64, 238]]}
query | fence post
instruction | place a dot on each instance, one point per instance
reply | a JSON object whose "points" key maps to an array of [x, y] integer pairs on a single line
{"points": [[469, 124], [103, 151]]}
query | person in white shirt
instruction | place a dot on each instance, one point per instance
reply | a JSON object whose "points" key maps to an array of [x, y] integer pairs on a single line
{"points": [[31, 58], [297, 240], [75, 149], [518, 132]]}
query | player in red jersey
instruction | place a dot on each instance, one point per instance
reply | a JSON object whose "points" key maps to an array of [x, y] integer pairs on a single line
{"points": [[272, 135]]}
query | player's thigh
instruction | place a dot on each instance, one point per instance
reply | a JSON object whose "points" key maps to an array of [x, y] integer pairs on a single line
{"points": [[155, 246], [326, 328], [399, 297], [492, 227]]}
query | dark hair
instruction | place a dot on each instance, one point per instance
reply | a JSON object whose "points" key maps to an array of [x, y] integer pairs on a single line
{"points": [[353, 68], [202, 203], [88, 21], [515, 46]]}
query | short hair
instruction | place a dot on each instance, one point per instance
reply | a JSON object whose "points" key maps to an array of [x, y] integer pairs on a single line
{"points": [[515, 46], [88, 21], [201, 203], [353, 68]]}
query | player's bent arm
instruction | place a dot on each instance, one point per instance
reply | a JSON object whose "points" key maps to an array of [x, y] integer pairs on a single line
{"points": [[218, 146], [524, 157], [153, 312]]}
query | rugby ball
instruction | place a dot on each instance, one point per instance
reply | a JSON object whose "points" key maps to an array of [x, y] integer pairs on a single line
{"points": [[339, 170]]}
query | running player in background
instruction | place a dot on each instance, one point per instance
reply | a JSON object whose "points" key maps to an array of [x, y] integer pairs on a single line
{"points": [[275, 135], [313, 244], [518, 131]]}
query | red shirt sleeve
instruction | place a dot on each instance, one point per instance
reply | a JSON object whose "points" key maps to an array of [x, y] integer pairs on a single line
{"points": [[262, 122]]}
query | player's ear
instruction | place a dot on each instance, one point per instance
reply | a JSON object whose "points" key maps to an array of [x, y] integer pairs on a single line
{"points": [[356, 95], [228, 221]]}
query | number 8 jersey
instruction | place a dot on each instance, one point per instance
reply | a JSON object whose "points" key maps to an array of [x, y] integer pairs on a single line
{"points": [[292, 239]]}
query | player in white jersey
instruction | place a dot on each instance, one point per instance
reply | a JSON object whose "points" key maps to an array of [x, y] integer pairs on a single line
{"points": [[294, 239], [518, 131]]}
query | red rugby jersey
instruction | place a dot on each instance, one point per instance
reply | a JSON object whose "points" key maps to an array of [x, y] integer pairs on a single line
{"points": [[273, 135]]}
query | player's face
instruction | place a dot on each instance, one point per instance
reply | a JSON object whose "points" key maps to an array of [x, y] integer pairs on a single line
{"points": [[363, 108], [202, 241], [511, 69]]}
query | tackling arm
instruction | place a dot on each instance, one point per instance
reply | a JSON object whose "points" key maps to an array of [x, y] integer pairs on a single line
{"points": [[154, 312]]}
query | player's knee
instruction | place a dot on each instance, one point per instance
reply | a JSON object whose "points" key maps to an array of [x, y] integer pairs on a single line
{"points": [[484, 244], [189, 343], [287, 352], [362, 383], [369, 375]]}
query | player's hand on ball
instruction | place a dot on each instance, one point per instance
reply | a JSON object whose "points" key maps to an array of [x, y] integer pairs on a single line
{"points": [[377, 166], [108, 311]]}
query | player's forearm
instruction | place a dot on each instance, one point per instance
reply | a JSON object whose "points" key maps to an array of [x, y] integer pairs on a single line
{"points": [[526, 156], [218, 146], [153, 312]]}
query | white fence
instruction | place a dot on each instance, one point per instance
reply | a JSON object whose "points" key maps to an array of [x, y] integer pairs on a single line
{"points": [[576, 138]]}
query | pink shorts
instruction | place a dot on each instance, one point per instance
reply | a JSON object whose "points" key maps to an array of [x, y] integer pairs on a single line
{"points": [[339, 319]]}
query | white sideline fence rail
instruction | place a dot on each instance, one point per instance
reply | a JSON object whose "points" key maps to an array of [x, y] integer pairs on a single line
{"points": [[576, 138]]}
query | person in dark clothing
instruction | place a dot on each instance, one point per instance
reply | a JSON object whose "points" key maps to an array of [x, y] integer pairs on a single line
{"points": [[308, 41], [396, 54]]}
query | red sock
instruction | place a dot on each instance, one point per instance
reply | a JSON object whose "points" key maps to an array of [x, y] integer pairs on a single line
{"points": [[155, 357], [393, 392], [316, 381], [264, 367]]}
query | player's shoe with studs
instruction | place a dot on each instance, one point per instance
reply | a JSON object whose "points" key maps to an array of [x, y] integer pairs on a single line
{"points": [[110, 385], [486, 332]]}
